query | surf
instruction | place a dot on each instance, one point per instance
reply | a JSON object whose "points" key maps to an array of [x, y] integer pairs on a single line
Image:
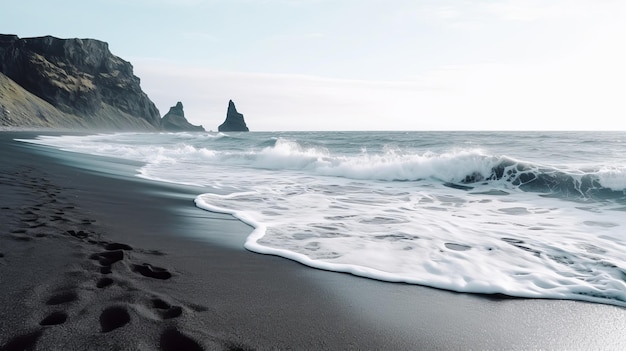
{"points": [[469, 212]]}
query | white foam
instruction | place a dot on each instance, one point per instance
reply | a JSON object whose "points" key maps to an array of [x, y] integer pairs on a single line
{"points": [[392, 164], [347, 211], [529, 247], [613, 177]]}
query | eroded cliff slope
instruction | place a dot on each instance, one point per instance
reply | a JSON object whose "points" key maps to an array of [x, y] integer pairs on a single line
{"points": [[70, 83]]}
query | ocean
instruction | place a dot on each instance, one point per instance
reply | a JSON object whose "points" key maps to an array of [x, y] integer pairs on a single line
{"points": [[526, 214]]}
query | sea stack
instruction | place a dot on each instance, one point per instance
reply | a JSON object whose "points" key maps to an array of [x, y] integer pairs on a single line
{"points": [[175, 120], [234, 120]]}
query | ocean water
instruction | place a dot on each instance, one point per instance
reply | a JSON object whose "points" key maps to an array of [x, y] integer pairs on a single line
{"points": [[528, 214]]}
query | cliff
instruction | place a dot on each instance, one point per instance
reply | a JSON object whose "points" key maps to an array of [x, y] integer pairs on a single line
{"points": [[234, 120], [175, 120], [72, 83], [19, 108]]}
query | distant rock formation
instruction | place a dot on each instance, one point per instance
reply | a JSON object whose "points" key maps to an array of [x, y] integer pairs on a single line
{"points": [[234, 120], [175, 121], [82, 83]]}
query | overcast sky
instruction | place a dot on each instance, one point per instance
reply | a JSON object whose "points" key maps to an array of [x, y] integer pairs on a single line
{"points": [[362, 64]]}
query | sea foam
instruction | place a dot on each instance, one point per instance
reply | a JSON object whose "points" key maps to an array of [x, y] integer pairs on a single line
{"points": [[523, 246], [458, 216]]}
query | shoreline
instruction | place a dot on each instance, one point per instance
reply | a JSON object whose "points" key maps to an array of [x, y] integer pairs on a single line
{"points": [[219, 295]]}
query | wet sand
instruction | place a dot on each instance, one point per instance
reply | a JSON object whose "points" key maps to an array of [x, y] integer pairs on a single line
{"points": [[93, 257]]}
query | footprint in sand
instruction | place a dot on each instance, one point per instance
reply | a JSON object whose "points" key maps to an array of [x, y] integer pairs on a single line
{"points": [[104, 282], [22, 342], [166, 310], [150, 271], [113, 317], [61, 298], [172, 340], [54, 318], [108, 258]]}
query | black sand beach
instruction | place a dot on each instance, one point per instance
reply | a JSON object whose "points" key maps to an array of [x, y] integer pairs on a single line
{"points": [[95, 258]]}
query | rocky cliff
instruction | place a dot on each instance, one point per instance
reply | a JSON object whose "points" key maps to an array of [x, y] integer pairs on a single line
{"points": [[19, 108], [234, 120], [175, 120], [70, 83]]}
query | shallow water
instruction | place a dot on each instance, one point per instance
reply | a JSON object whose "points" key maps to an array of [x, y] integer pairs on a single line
{"points": [[530, 214]]}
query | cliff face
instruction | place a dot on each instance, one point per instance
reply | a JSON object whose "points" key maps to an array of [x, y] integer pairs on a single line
{"points": [[234, 120], [79, 77], [19, 108], [175, 120]]}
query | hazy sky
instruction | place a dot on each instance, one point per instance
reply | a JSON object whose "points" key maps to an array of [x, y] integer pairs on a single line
{"points": [[362, 64]]}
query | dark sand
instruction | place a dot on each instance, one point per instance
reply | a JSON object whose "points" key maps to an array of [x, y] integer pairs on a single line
{"points": [[94, 258]]}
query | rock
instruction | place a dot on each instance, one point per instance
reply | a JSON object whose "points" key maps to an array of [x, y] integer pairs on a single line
{"points": [[175, 121], [78, 77], [234, 120], [25, 110]]}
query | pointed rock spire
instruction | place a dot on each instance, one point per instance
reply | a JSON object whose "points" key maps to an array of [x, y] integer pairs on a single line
{"points": [[175, 120], [234, 120]]}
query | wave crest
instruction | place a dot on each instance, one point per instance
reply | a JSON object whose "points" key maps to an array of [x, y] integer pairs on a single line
{"points": [[600, 184]]}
